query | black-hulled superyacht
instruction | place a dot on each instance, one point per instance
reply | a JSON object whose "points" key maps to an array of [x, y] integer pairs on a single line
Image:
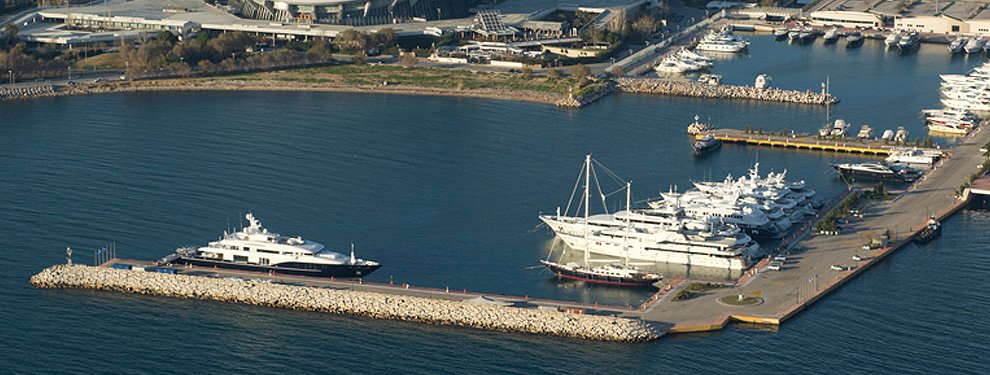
{"points": [[254, 248]]}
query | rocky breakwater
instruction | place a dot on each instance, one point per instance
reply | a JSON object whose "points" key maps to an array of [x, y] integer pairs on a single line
{"points": [[375, 305], [23, 92], [697, 90]]}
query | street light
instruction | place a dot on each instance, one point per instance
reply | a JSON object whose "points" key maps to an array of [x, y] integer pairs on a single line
{"points": [[438, 13], [11, 72], [70, 72]]}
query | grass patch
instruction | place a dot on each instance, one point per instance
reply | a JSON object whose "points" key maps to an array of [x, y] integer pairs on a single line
{"points": [[371, 75], [110, 60]]}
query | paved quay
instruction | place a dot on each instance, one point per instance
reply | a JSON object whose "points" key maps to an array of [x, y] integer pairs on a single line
{"points": [[807, 274]]}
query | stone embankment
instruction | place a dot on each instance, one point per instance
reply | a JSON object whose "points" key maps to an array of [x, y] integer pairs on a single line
{"points": [[26, 92], [697, 90], [577, 101], [374, 305]]}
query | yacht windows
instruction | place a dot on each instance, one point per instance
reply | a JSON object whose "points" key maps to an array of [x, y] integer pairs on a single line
{"points": [[267, 251], [246, 248], [240, 259], [263, 261]]}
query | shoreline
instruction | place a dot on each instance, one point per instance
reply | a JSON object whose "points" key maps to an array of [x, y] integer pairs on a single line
{"points": [[227, 84]]}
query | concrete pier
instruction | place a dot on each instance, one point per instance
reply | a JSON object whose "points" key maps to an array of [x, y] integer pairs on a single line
{"points": [[806, 141], [807, 275]]}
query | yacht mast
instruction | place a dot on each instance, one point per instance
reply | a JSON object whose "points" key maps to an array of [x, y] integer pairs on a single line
{"points": [[587, 201], [625, 234]]}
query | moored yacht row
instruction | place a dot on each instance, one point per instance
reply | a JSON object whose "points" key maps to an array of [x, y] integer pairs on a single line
{"points": [[961, 94], [712, 225]]}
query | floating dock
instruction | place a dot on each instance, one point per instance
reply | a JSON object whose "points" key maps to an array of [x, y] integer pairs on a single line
{"points": [[804, 141]]}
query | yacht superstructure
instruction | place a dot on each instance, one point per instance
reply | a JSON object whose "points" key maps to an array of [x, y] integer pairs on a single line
{"points": [[254, 248]]}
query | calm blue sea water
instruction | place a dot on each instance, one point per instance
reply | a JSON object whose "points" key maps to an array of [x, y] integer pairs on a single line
{"points": [[444, 192]]}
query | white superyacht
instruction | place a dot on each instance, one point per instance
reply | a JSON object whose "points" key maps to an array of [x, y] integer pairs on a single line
{"points": [[663, 235]]}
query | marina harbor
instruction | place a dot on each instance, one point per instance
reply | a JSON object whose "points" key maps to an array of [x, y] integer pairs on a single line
{"points": [[495, 186], [808, 265]]}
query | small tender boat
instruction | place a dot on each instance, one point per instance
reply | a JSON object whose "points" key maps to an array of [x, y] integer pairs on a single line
{"points": [[930, 232]]}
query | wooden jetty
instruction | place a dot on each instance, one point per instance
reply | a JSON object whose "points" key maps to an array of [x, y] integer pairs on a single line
{"points": [[806, 141]]}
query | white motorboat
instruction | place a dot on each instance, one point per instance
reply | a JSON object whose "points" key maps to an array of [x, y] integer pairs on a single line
{"points": [[854, 39], [839, 128], [698, 127], [909, 42], [710, 79], [912, 156], [949, 128], [831, 36], [901, 135], [762, 81], [865, 132], [974, 45], [957, 45], [892, 39], [780, 33]]}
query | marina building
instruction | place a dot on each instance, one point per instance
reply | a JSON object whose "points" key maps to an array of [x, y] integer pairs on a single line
{"points": [[940, 24], [353, 12], [849, 19]]}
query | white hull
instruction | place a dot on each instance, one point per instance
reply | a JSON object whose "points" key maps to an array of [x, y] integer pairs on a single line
{"points": [[639, 252], [947, 129]]}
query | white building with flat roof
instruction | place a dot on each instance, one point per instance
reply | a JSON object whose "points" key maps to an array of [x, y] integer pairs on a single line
{"points": [[940, 24], [843, 18]]}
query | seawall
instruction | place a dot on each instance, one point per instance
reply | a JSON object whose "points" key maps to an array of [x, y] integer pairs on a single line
{"points": [[374, 305]]}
